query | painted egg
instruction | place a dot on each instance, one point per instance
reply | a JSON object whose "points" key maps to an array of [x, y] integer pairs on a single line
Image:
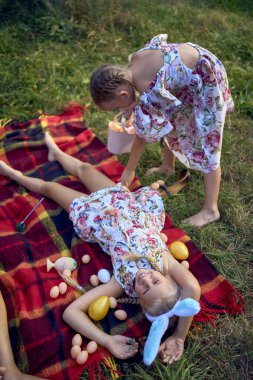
{"points": [[112, 302], [75, 350], [67, 272], [77, 340], [179, 250], [120, 314], [155, 186], [86, 259], [54, 292], [94, 280], [163, 237], [62, 263], [99, 308], [104, 276], [82, 357], [63, 287], [91, 347]]}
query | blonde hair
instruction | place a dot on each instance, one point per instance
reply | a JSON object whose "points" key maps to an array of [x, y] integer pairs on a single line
{"points": [[161, 305], [165, 303]]}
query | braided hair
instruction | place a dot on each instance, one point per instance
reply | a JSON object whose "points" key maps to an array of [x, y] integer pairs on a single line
{"points": [[105, 80]]}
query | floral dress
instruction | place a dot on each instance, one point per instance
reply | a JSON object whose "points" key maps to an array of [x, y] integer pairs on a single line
{"points": [[122, 223], [186, 107]]}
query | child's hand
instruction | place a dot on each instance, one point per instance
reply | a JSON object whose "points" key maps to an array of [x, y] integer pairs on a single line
{"points": [[171, 349], [121, 346], [127, 177]]}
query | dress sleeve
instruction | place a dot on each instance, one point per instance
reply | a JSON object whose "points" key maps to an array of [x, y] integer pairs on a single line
{"points": [[152, 205], [153, 114]]}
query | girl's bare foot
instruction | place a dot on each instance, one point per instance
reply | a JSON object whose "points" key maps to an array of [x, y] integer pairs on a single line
{"points": [[202, 218], [52, 147], [9, 172], [160, 170]]}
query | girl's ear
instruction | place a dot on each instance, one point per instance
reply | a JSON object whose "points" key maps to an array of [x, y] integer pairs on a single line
{"points": [[122, 93]]}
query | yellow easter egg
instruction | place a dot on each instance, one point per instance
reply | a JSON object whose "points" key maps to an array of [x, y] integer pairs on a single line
{"points": [[99, 308], [179, 250]]}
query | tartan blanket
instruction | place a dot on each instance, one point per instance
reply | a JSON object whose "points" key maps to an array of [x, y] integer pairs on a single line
{"points": [[40, 339]]}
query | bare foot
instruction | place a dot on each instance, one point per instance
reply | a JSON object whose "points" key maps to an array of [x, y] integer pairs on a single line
{"points": [[52, 147], [160, 170], [15, 374], [8, 171], [202, 218]]}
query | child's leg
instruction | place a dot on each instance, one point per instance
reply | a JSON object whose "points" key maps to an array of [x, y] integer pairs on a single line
{"points": [[89, 176], [8, 368], [167, 165], [62, 195], [209, 212]]}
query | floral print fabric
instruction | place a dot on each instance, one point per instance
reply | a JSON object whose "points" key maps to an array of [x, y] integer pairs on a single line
{"points": [[187, 107], [122, 223]]}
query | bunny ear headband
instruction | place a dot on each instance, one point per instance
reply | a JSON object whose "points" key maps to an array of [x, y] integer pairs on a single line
{"points": [[160, 323]]}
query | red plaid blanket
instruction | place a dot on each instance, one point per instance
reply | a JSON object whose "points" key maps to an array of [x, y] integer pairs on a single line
{"points": [[40, 339]]}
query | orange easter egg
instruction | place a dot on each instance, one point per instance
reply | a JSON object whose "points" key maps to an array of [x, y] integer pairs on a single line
{"points": [[91, 347], [63, 287], [82, 357], [75, 350], [120, 314], [77, 340], [86, 259], [54, 292], [179, 250], [112, 302], [94, 280]]}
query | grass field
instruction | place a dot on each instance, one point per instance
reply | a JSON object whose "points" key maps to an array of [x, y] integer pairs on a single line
{"points": [[49, 49]]}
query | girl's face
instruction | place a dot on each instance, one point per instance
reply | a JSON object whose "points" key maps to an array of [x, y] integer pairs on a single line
{"points": [[150, 285]]}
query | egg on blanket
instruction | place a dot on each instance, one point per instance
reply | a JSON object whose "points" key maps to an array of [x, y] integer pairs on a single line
{"points": [[104, 276], [99, 308], [86, 259], [63, 287], [82, 357], [120, 314], [75, 350], [91, 347], [94, 280], [77, 340], [54, 292]]}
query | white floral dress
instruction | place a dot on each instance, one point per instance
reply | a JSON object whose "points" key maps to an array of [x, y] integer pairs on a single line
{"points": [[186, 106], [122, 222]]}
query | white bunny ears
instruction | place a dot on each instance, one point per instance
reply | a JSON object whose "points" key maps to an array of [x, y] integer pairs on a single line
{"points": [[160, 323]]}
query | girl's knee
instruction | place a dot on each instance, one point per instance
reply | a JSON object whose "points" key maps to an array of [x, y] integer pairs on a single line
{"points": [[84, 168], [47, 188]]}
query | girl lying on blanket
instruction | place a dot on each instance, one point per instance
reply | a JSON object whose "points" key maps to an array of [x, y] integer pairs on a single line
{"points": [[123, 224]]}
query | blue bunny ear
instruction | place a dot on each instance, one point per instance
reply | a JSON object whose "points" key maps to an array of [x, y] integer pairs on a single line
{"points": [[156, 332], [186, 307]]}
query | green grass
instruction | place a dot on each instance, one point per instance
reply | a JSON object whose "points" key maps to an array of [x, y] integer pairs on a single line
{"points": [[48, 52]]}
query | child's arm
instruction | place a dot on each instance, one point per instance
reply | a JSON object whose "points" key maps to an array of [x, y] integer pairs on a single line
{"points": [[135, 156], [76, 316], [173, 347]]}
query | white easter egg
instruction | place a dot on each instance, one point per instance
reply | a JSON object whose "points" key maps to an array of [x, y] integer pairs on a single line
{"points": [[82, 357], [63, 287], [120, 314], [91, 347], [104, 276], [75, 350], [77, 340], [54, 292]]}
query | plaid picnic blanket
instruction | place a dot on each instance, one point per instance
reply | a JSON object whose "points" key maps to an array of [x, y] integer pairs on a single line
{"points": [[41, 340]]}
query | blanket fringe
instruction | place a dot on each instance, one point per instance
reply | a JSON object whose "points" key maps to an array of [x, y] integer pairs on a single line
{"points": [[94, 367], [225, 301]]}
